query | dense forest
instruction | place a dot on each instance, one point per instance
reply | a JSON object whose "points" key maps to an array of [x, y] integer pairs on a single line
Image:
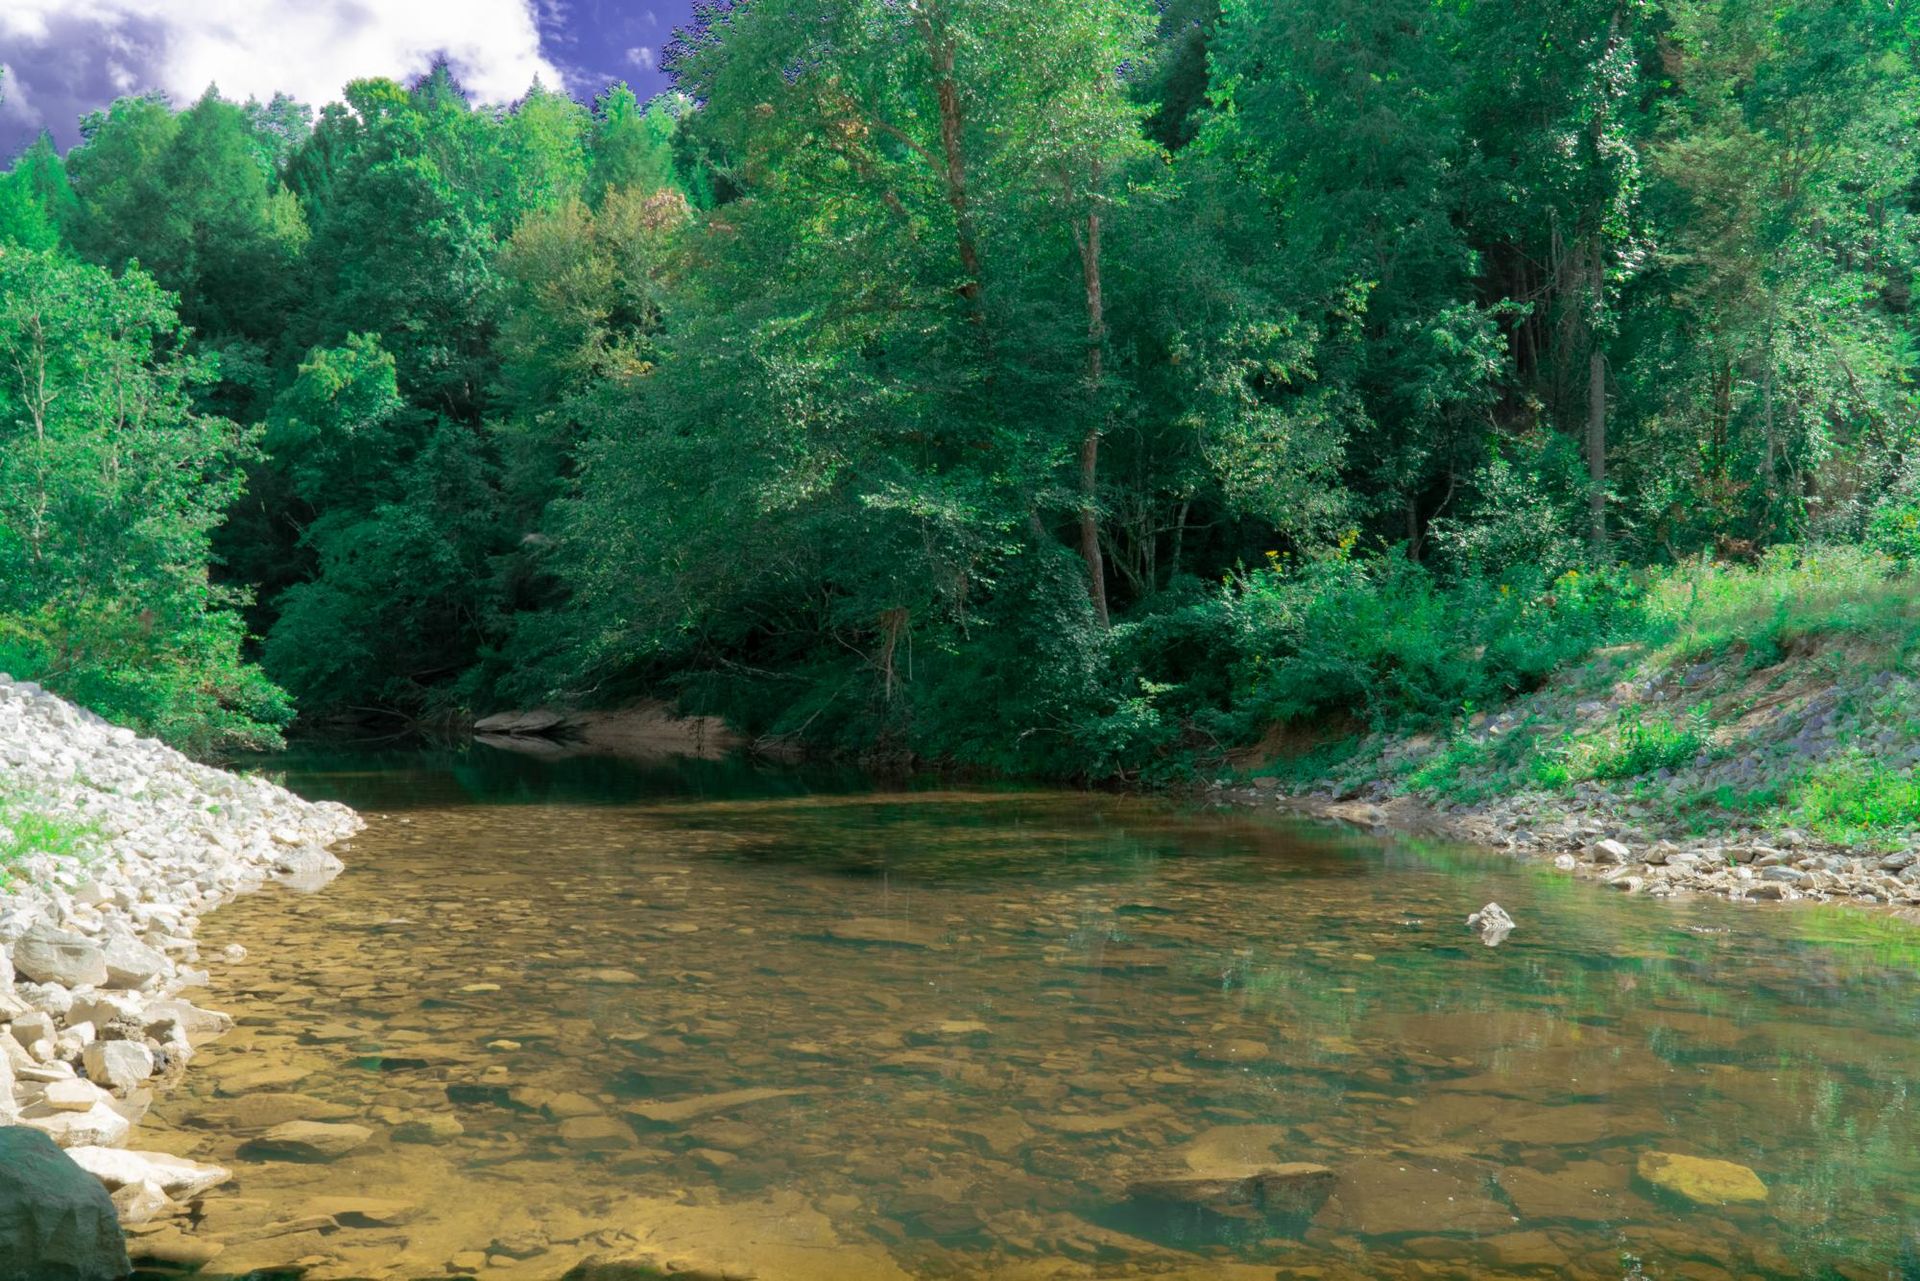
{"points": [[1077, 388]]}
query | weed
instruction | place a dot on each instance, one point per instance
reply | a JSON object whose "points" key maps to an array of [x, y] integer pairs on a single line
{"points": [[26, 830], [1854, 799], [1644, 744]]}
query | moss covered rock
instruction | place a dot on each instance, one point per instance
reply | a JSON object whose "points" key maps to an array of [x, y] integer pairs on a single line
{"points": [[1701, 1180]]}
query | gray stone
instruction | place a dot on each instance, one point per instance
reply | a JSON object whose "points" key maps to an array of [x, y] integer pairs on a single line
{"points": [[1902, 859], [1609, 851], [56, 1221], [1493, 923]]}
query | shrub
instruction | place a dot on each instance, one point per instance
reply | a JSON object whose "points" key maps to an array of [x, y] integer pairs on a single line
{"points": [[1644, 744], [1385, 639], [1894, 531], [1854, 798]]}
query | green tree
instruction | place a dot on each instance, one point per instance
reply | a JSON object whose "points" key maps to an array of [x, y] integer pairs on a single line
{"points": [[110, 484]]}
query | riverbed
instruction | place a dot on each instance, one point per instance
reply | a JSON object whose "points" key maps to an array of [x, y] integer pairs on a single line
{"points": [[747, 1021]]}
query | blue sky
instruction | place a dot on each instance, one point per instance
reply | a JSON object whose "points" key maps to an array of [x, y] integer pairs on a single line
{"points": [[64, 58]]}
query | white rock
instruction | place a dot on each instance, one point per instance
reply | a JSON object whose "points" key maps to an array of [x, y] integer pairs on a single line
{"points": [[50, 955], [131, 963], [98, 1126], [37, 1026], [119, 1065], [176, 1176], [137, 1203], [73, 1095], [1493, 923]]}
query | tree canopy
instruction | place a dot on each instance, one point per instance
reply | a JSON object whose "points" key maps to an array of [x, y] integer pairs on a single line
{"points": [[1004, 384]]}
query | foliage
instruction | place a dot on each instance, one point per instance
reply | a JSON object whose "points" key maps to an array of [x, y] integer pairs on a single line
{"points": [[110, 487], [1641, 744], [27, 829], [924, 379], [1854, 798], [1383, 638]]}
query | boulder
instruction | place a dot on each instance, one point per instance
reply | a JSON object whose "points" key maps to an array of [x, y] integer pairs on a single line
{"points": [[197, 1024], [98, 1126], [1701, 1180], [47, 955], [73, 1095], [56, 1221], [541, 720]]}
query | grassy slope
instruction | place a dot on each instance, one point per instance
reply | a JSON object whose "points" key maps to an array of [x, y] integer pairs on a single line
{"points": [[1782, 695]]}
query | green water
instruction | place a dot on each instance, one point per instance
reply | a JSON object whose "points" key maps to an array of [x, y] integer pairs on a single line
{"points": [[993, 1009]]}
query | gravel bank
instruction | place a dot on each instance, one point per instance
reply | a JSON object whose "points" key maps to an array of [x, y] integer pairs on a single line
{"points": [[112, 847], [1774, 867]]}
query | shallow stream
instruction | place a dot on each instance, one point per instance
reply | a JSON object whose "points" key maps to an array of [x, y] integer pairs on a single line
{"points": [[754, 1022]]}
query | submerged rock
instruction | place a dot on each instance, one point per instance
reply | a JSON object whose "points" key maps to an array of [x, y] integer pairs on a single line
{"points": [[1293, 1189], [1701, 1180], [1493, 923], [56, 1221], [308, 1141]]}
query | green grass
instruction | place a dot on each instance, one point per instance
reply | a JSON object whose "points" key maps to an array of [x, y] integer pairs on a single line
{"points": [[1703, 610], [26, 830], [1854, 799]]}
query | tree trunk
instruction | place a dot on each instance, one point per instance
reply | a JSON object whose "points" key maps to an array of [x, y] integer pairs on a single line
{"points": [[1089, 244], [1597, 446], [933, 30]]}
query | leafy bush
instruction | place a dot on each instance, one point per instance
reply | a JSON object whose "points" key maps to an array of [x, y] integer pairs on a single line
{"points": [[1523, 515], [1894, 531], [111, 482], [1854, 798], [1643, 744], [1383, 638]]}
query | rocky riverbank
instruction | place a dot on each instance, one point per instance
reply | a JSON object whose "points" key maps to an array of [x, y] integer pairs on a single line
{"points": [[112, 848], [1747, 866], [1661, 773]]}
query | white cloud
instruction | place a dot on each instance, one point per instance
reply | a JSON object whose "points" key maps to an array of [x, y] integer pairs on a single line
{"points": [[13, 96], [641, 57], [309, 48]]}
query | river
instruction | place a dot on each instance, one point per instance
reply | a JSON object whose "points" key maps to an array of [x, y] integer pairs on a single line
{"points": [[744, 1021]]}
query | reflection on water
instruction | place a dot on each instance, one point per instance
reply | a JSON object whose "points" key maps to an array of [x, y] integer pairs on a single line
{"points": [[759, 1023]]}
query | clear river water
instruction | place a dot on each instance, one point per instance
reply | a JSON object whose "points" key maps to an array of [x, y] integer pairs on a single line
{"points": [[735, 1021]]}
